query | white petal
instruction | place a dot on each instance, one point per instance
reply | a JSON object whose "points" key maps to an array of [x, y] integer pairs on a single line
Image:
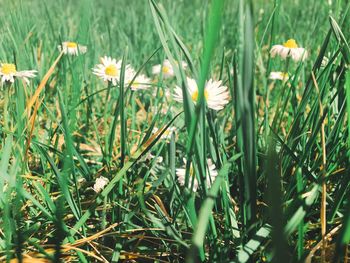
{"points": [[156, 69]]}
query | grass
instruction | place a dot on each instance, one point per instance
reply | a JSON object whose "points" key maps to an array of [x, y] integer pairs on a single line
{"points": [[280, 148]]}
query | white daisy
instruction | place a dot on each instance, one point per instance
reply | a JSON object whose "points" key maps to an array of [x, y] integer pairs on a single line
{"points": [[129, 75], [216, 95], [325, 61], [72, 48], [211, 174], [167, 133], [289, 49], [166, 68], [100, 183], [279, 75], [140, 83], [108, 70], [151, 157], [8, 73]]}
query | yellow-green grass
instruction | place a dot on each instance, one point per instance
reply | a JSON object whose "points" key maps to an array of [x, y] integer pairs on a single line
{"points": [[280, 148]]}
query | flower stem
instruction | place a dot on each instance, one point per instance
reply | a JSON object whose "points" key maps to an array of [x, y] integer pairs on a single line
{"points": [[6, 105], [105, 123]]}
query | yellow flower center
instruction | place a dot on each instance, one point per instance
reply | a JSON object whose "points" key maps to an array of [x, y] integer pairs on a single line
{"points": [[284, 75], [166, 133], [136, 84], [195, 95], [291, 43], [111, 70], [166, 69], [72, 45], [8, 69]]}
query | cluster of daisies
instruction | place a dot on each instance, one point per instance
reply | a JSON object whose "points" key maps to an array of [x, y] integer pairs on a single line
{"points": [[288, 50], [109, 69], [216, 96]]}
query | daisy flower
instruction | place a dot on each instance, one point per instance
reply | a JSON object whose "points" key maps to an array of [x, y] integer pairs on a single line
{"points": [[140, 83], [289, 49], [167, 133], [211, 174], [108, 70], [166, 68], [72, 48], [216, 95], [325, 61], [151, 157], [8, 73], [279, 76], [100, 183]]}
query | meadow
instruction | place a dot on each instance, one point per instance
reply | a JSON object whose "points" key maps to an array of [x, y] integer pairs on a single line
{"points": [[174, 131]]}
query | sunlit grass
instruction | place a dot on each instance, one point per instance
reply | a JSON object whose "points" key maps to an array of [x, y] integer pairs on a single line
{"points": [[174, 131]]}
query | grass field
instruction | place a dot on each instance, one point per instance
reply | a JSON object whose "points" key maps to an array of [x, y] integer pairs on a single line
{"points": [[174, 131]]}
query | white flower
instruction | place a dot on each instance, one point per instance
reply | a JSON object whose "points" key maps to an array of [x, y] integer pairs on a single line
{"points": [[108, 70], [279, 76], [289, 49], [140, 83], [100, 183], [211, 174], [72, 48], [166, 68], [216, 95], [8, 72], [325, 61], [158, 159], [167, 133]]}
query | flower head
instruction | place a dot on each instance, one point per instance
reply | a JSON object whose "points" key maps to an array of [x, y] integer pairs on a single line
{"points": [[108, 70], [72, 48], [167, 133], [279, 76], [325, 61], [158, 159], [289, 49], [100, 183], [8, 73], [216, 95], [211, 174], [140, 83], [166, 68]]}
